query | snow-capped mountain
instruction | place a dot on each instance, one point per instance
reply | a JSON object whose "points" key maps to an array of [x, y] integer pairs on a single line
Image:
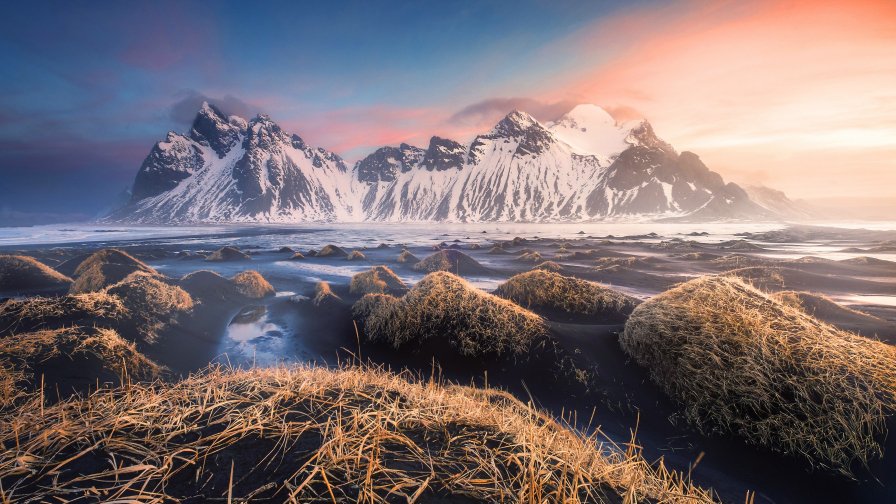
{"points": [[228, 169], [584, 166]]}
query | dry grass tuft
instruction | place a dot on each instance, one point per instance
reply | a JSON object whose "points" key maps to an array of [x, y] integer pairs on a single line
{"points": [[324, 296], [104, 268], [741, 362], [252, 285], [356, 255], [153, 304], [38, 312], [445, 306], [378, 280], [406, 257], [531, 257], [23, 273], [331, 251], [227, 254], [549, 291], [68, 353], [817, 305], [763, 277], [550, 266], [451, 260], [317, 435], [208, 285]]}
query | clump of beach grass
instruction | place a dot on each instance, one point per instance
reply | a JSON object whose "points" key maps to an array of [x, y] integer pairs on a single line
{"points": [[324, 296], [331, 251], [88, 353], [228, 254], [314, 434], [552, 292], [104, 268], [741, 362], [377, 280], [39, 312], [446, 306], [23, 273], [549, 266], [406, 257], [252, 285], [152, 303], [451, 260], [356, 255]]}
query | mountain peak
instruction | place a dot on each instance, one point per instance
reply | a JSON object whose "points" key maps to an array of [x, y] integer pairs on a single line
{"points": [[213, 129], [515, 123], [588, 114]]}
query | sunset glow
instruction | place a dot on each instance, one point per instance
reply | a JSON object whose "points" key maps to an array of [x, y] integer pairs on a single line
{"points": [[796, 95]]}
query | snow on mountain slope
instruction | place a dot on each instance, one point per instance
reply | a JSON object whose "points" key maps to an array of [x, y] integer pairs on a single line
{"points": [[590, 130], [231, 170], [582, 167]]}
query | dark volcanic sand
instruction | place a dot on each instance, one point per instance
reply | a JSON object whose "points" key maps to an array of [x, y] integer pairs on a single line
{"points": [[622, 396]]}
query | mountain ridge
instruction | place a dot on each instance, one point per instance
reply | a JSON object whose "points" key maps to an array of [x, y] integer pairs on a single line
{"points": [[583, 167]]}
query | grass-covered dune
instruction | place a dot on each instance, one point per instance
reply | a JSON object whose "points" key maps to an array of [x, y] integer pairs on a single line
{"points": [[552, 293], [451, 260], [69, 359], [26, 274], [443, 305], [377, 280], [104, 268], [314, 435], [742, 362]]}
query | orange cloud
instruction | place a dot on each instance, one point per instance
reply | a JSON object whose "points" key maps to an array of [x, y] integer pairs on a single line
{"points": [[770, 87]]}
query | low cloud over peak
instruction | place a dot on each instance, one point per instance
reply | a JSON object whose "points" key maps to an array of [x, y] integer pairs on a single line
{"points": [[183, 111], [491, 110]]}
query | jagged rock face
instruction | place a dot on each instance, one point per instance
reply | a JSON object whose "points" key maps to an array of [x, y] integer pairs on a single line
{"points": [[211, 128], [387, 162], [584, 166], [444, 154], [167, 164], [230, 169]]}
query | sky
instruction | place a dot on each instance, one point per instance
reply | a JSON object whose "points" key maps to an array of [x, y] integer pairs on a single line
{"points": [[799, 95]]}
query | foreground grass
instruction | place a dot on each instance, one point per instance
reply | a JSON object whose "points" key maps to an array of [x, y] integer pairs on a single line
{"points": [[743, 362], [314, 435]]}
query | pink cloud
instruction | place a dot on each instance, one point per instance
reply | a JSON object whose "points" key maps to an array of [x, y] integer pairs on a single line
{"points": [[751, 86]]}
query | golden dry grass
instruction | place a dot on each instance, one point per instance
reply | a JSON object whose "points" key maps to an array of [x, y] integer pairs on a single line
{"points": [[549, 266], [451, 260], [225, 254], [443, 305], [818, 305], [69, 352], [377, 280], [38, 312], [546, 290], [324, 295], [406, 257], [153, 304], [356, 255], [531, 257], [316, 435], [27, 273], [252, 285], [741, 362], [331, 250], [764, 277], [104, 268]]}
